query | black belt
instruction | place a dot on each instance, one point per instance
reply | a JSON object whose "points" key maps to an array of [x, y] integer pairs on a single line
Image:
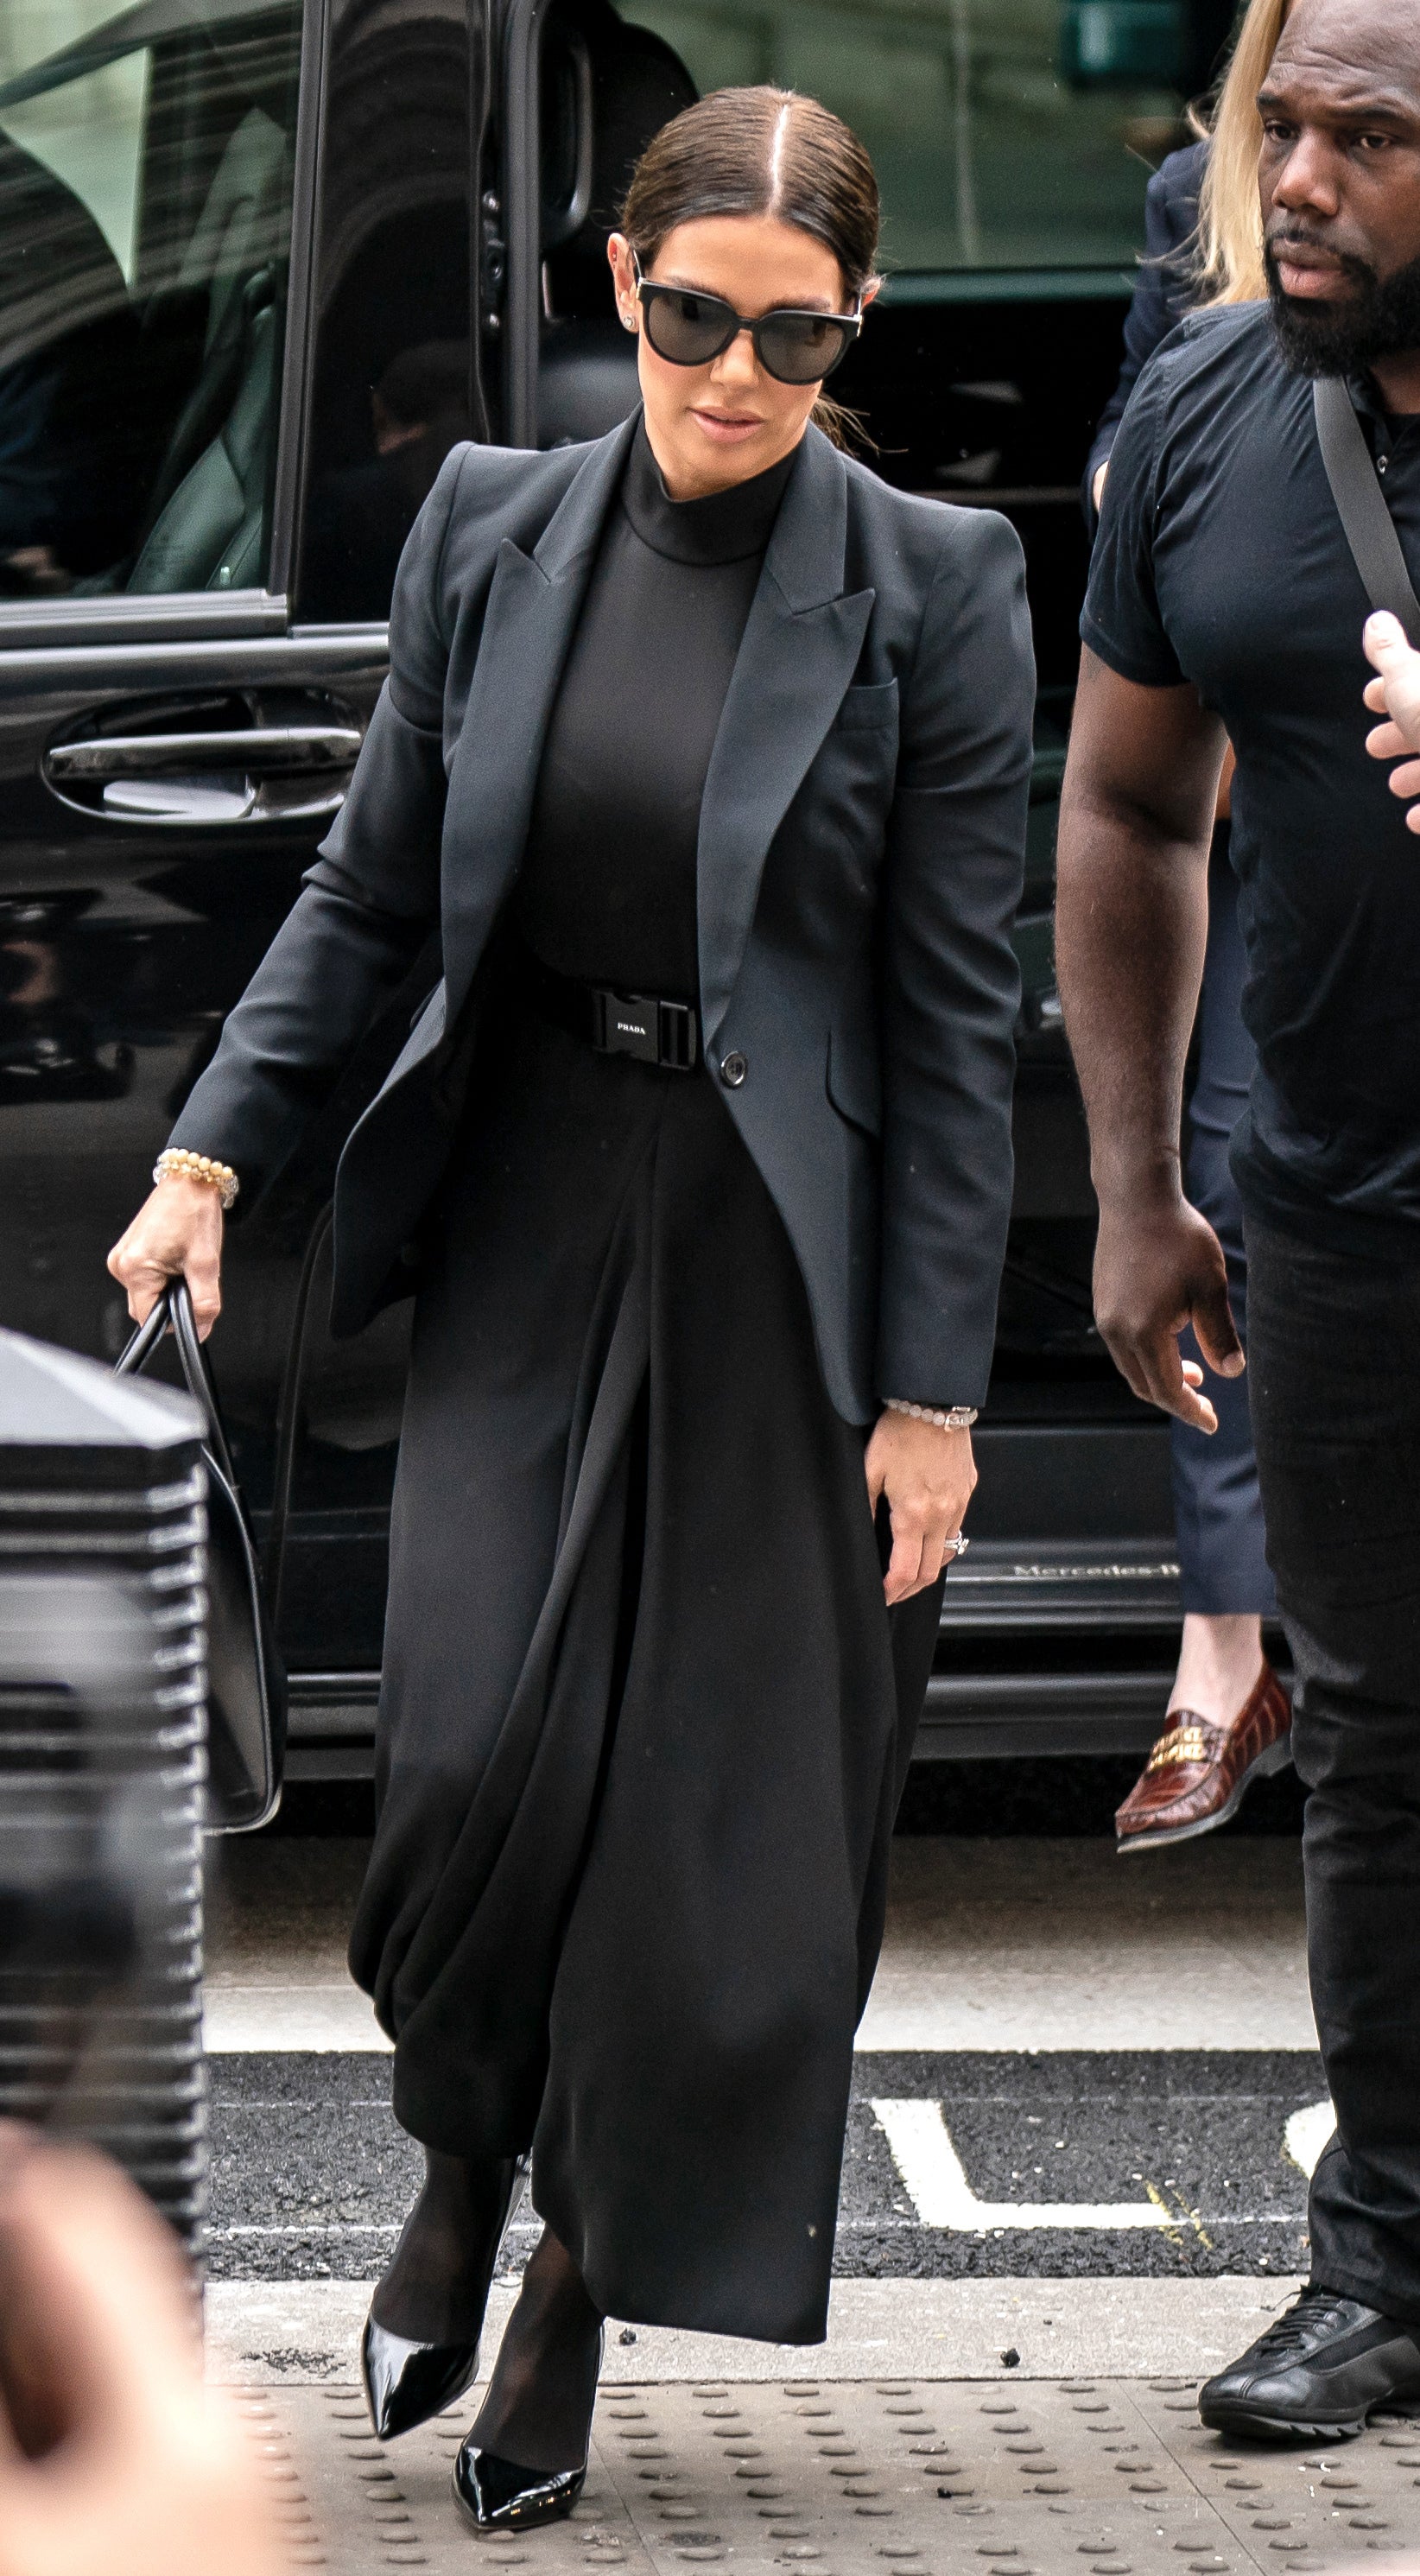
{"points": [[643, 1025]]}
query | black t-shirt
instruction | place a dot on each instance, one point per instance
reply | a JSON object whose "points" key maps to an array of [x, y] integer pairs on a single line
{"points": [[1221, 560], [608, 885]]}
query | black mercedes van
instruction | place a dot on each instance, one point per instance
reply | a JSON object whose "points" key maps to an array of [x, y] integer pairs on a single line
{"points": [[261, 263]]}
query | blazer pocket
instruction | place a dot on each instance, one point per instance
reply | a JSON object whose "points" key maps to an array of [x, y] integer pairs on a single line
{"points": [[854, 1084], [869, 706]]}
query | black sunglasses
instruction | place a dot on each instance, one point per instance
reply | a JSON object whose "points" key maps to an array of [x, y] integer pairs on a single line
{"points": [[689, 328]]}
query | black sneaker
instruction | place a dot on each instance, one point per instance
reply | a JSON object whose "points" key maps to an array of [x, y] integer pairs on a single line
{"points": [[1317, 2375]]}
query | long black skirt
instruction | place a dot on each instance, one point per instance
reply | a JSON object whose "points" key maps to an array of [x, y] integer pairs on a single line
{"points": [[645, 1715]]}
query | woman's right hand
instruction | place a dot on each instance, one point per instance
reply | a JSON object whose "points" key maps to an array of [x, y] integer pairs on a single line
{"points": [[176, 1233]]}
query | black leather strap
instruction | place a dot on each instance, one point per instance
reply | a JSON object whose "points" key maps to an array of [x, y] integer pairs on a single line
{"points": [[1361, 505], [173, 1313]]}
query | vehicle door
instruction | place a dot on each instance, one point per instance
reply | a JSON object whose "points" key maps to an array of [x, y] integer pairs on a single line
{"points": [[234, 347]]}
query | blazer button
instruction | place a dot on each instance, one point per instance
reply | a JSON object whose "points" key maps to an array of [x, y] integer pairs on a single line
{"points": [[733, 1069]]}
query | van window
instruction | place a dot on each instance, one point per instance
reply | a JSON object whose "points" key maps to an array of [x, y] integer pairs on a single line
{"points": [[145, 216], [391, 380], [1006, 134]]}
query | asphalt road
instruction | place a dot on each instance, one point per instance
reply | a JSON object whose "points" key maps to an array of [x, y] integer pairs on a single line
{"points": [[311, 2176]]}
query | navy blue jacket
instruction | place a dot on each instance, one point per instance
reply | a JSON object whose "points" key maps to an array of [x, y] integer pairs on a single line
{"points": [[1164, 292]]}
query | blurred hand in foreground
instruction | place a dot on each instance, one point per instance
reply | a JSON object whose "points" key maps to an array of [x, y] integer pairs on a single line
{"points": [[113, 2457], [1395, 693]]}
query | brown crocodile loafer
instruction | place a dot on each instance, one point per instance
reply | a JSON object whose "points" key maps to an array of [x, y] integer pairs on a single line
{"points": [[1199, 1773]]}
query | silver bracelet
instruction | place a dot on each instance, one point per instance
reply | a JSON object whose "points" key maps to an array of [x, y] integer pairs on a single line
{"points": [[957, 1417]]}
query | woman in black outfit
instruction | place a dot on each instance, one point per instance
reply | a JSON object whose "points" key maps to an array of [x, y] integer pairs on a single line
{"points": [[709, 754]]}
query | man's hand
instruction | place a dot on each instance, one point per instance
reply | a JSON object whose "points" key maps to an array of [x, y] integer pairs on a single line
{"points": [[928, 1476], [1396, 694], [1157, 1270]]}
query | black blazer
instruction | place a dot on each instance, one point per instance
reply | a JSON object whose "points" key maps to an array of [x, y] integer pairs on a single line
{"points": [[860, 858]]}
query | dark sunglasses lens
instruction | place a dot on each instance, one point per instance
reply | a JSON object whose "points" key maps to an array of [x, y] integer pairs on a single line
{"points": [[688, 329], [799, 348]]}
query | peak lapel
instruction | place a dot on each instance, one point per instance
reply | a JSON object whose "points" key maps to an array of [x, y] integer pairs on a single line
{"points": [[533, 605], [797, 657]]}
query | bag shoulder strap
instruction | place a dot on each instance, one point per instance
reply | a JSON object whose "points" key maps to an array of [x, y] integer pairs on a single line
{"points": [[1361, 505]]}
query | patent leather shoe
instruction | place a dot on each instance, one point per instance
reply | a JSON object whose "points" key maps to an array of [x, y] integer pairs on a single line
{"points": [[497, 2495], [1317, 2375], [406, 2383]]}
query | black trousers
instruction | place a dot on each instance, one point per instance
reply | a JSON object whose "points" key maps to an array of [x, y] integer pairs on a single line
{"points": [[1334, 1369], [645, 1715]]}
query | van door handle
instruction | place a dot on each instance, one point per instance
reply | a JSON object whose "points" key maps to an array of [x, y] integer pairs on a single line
{"points": [[274, 773], [265, 751]]}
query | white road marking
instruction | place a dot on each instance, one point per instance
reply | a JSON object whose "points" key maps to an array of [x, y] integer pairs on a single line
{"points": [[932, 2171], [1307, 2132]]}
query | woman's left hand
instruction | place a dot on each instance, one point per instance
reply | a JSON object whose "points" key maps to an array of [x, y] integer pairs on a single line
{"points": [[928, 1476]]}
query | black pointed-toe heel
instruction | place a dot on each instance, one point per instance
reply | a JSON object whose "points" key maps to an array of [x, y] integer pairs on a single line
{"points": [[406, 2383], [498, 2495]]}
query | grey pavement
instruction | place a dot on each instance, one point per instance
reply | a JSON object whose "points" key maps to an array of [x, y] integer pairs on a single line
{"points": [[884, 2474], [990, 1945]]}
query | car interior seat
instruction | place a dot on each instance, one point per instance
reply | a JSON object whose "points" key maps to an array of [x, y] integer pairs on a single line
{"points": [[606, 89], [202, 524], [208, 536]]}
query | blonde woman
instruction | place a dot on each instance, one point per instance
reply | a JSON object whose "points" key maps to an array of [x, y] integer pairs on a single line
{"points": [[1228, 1721]]}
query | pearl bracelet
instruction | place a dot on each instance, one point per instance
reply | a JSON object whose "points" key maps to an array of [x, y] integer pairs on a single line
{"points": [[957, 1417], [177, 1164]]}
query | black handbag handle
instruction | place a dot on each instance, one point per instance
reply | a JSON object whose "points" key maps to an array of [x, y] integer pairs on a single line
{"points": [[173, 1313]]}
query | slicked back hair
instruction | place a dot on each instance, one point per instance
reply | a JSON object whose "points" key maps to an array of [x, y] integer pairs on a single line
{"points": [[760, 151]]}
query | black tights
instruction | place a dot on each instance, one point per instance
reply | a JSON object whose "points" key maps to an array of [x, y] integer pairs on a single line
{"points": [[436, 2286], [538, 2409]]}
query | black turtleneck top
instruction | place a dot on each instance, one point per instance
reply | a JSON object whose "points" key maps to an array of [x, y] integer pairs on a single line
{"points": [[607, 892]]}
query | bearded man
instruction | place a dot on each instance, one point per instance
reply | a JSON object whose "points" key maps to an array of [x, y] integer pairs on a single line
{"points": [[1224, 601]]}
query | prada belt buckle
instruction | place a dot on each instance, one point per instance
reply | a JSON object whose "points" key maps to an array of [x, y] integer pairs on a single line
{"points": [[641, 1025]]}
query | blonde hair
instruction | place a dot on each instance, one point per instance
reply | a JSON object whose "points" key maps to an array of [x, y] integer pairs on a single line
{"points": [[1229, 257]]}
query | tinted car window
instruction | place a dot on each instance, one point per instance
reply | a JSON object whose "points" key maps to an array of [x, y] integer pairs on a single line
{"points": [[145, 214], [1007, 134], [392, 389]]}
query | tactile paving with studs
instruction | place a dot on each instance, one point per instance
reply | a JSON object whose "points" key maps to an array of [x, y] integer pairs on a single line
{"points": [[893, 2478]]}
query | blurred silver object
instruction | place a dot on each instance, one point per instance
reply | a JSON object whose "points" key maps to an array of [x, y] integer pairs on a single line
{"points": [[102, 1767]]}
